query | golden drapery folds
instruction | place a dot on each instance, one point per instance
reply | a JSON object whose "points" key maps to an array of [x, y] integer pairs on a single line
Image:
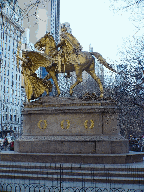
{"points": [[34, 86]]}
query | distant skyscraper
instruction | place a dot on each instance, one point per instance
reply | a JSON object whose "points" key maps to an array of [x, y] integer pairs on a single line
{"points": [[10, 74], [53, 13], [90, 48]]}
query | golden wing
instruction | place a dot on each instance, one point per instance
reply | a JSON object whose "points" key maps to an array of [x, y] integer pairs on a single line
{"points": [[36, 60]]}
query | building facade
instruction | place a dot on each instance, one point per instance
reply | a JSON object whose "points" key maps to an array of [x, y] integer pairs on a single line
{"points": [[10, 73]]}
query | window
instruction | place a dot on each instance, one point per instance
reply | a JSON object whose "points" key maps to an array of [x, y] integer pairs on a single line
{"points": [[12, 66], [12, 83], [10, 117], [14, 117], [12, 58], [7, 89], [5, 46], [5, 23]]}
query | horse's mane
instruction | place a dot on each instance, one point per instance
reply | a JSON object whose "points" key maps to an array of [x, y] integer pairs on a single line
{"points": [[47, 35]]}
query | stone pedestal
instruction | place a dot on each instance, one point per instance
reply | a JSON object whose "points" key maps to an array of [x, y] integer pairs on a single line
{"points": [[67, 125]]}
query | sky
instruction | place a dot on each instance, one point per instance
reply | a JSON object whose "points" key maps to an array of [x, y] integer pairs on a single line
{"points": [[92, 22]]}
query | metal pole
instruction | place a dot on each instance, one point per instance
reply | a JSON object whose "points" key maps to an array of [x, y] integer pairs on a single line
{"points": [[60, 177]]}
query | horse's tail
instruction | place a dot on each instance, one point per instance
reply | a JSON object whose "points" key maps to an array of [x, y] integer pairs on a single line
{"points": [[102, 61]]}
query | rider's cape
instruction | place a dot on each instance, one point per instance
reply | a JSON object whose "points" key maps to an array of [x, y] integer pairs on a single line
{"points": [[71, 41]]}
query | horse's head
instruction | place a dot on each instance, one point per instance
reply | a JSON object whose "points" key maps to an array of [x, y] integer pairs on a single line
{"points": [[40, 43], [46, 40]]}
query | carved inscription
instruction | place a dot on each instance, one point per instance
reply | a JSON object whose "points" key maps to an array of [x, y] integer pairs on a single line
{"points": [[86, 124], [42, 124], [67, 126]]}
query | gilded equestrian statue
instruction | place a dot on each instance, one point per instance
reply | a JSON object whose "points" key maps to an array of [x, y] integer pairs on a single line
{"points": [[65, 57]]}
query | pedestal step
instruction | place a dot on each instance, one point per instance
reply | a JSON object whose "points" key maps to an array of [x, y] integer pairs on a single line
{"points": [[72, 158], [73, 172]]}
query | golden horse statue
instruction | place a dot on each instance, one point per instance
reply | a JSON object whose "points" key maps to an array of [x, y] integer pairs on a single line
{"points": [[66, 57], [66, 61]]}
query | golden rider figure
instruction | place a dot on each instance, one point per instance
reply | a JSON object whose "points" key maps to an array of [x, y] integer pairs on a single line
{"points": [[69, 48]]}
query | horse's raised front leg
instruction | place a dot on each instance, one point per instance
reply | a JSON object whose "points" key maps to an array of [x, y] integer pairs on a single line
{"points": [[79, 79], [92, 73], [53, 75]]}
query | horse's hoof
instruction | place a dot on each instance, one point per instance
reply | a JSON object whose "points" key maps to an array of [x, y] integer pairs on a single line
{"points": [[58, 93]]}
